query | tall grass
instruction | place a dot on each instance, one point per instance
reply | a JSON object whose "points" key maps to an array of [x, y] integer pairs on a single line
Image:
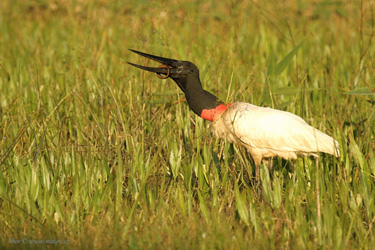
{"points": [[97, 154]]}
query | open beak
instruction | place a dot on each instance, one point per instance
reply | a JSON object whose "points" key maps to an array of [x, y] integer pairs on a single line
{"points": [[168, 67]]}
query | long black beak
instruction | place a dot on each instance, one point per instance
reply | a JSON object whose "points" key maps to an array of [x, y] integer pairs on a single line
{"points": [[168, 67]]}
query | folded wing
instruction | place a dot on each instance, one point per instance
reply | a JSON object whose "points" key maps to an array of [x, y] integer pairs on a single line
{"points": [[267, 132]]}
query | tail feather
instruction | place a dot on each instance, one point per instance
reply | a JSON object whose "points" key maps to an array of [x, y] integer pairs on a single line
{"points": [[327, 144]]}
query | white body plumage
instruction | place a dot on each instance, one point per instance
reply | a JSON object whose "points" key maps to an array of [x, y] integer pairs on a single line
{"points": [[267, 132]]}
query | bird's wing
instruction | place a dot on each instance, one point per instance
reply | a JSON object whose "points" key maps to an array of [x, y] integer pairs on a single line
{"points": [[271, 129]]}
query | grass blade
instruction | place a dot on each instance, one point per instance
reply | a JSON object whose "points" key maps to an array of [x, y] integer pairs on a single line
{"points": [[280, 67]]}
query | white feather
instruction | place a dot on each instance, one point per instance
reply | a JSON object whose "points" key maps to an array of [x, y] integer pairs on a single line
{"points": [[267, 132]]}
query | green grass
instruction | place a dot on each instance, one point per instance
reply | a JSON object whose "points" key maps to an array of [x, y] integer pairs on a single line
{"points": [[98, 154]]}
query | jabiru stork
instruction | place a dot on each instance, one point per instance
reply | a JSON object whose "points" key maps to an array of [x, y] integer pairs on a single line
{"points": [[264, 132]]}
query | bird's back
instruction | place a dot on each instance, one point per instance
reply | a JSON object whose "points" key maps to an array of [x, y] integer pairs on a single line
{"points": [[267, 132]]}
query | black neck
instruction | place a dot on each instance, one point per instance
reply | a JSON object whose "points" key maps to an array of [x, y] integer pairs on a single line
{"points": [[197, 98]]}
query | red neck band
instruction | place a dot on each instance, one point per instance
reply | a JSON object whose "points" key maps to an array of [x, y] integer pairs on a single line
{"points": [[213, 114]]}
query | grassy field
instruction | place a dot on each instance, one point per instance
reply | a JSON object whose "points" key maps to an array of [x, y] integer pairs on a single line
{"points": [[97, 154]]}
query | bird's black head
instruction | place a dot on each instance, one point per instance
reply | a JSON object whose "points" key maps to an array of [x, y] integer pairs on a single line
{"points": [[186, 75], [178, 70]]}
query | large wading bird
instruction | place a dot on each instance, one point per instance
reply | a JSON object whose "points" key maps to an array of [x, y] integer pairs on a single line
{"points": [[265, 132]]}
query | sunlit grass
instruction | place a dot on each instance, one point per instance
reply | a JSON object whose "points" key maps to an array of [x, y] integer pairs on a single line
{"points": [[99, 154]]}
